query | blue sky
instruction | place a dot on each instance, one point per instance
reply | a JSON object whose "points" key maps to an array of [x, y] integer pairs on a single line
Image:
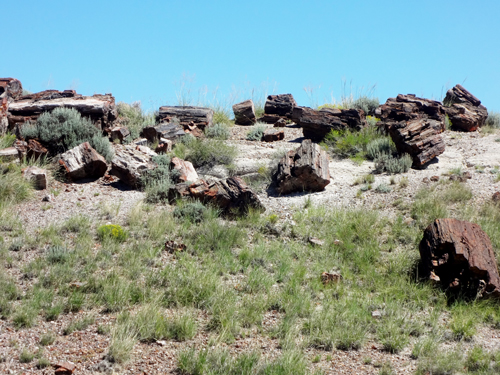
{"points": [[156, 51]]}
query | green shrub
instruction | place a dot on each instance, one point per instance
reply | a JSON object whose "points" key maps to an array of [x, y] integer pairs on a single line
{"points": [[388, 163], [26, 356], [204, 152], [57, 254], [493, 120], [368, 105], [256, 133], [379, 147], [112, 231], [65, 128], [134, 119], [194, 212], [7, 140], [156, 182], [218, 131], [347, 143]]}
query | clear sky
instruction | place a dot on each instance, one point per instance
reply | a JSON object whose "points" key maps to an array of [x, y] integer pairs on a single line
{"points": [[155, 51]]}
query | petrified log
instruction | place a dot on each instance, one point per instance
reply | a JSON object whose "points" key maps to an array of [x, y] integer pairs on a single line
{"points": [[273, 135], [244, 113], [459, 255], [31, 149], [303, 170], [100, 109], [186, 171], [10, 88], [119, 133], [164, 146], [130, 163], [83, 161], [187, 116], [420, 139], [317, 124], [9, 154], [171, 131], [464, 110], [281, 105], [409, 108], [231, 196]]}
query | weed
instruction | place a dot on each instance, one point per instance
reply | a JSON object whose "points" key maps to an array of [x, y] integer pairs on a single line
{"points": [[393, 165], [57, 254], [132, 117], [478, 360], [256, 132], [347, 143], [47, 339], [193, 212], [218, 131], [493, 120], [43, 363], [380, 146], [113, 232], [383, 188], [26, 356], [440, 363], [204, 152], [123, 339], [14, 188], [7, 140], [79, 325]]}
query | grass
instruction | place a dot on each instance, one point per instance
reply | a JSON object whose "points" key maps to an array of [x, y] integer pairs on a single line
{"points": [[256, 132], [204, 152], [134, 118]]}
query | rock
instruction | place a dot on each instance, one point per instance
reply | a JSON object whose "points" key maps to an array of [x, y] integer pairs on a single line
{"points": [[10, 88], [244, 113], [317, 124], [83, 161], [231, 196], [164, 146], [426, 180], [130, 162], [330, 278], [305, 169], [171, 131], [48, 198], [37, 176], [185, 169], [280, 123], [273, 135], [4, 121], [9, 154], [172, 247], [31, 149], [64, 368], [420, 139], [141, 142], [496, 197], [281, 105], [316, 241], [119, 133], [434, 178], [464, 110], [460, 256], [376, 314], [101, 109], [409, 108], [187, 116]]}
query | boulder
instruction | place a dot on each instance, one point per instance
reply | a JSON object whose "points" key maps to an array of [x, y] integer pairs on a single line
{"points": [[130, 162], [9, 154], [171, 131], [37, 176], [82, 162], [420, 139], [464, 110], [10, 88], [186, 171], [187, 116], [409, 108], [303, 170], [231, 196], [119, 133], [281, 105], [273, 135], [316, 124], [459, 256], [244, 113], [101, 109]]}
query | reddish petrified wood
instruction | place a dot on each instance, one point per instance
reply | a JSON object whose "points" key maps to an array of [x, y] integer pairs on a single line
{"points": [[186, 116], [280, 105], [273, 135], [186, 171], [10, 88], [244, 113], [459, 255], [83, 161], [464, 110]]}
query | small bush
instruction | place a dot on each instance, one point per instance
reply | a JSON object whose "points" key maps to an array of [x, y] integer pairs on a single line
{"points": [[218, 131], [26, 356], [112, 231], [379, 147], [368, 105], [393, 165], [43, 363], [57, 254], [156, 182], [347, 143], [14, 188], [493, 120], [47, 339], [256, 133], [204, 152], [194, 212], [65, 128], [7, 140], [383, 188], [134, 119]]}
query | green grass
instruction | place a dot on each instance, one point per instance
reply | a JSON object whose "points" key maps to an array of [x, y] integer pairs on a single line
{"points": [[204, 152], [134, 118]]}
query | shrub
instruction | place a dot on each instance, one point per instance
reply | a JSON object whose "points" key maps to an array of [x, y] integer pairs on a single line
{"points": [[156, 182], [380, 146], [393, 165], [57, 254], [134, 119], [112, 231], [347, 143], [368, 105], [204, 152], [65, 128], [256, 133], [194, 212], [7, 140], [14, 188], [493, 120], [26, 356], [218, 131]]}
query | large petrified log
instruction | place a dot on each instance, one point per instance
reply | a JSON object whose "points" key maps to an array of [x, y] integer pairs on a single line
{"points": [[409, 108], [281, 105], [244, 113], [464, 110], [231, 196], [83, 161], [101, 109], [303, 170], [185, 170], [421, 139], [171, 131], [10, 88], [317, 124], [130, 163], [459, 255], [189, 117]]}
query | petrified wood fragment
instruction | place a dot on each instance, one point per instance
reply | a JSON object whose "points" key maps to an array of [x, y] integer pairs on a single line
{"points": [[464, 110]]}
